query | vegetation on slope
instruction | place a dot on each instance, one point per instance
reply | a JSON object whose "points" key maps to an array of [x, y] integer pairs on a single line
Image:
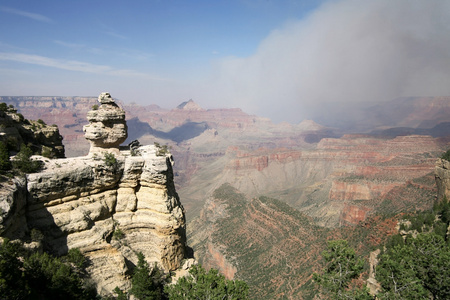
{"points": [[32, 275], [152, 284], [342, 268], [26, 274], [446, 155], [413, 265], [22, 161], [274, 247], [39, 137], [201, 284]]}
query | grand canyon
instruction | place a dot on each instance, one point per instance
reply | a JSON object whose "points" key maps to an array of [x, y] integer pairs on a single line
{"points": [[261, 199]]}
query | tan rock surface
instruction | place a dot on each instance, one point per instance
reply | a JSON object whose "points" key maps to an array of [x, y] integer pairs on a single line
{"points": [[110, 207], [442, 175], [81, 202], [107, 128]]}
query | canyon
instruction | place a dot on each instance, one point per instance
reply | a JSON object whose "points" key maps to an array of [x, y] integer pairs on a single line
{"points": [[297, 184]]}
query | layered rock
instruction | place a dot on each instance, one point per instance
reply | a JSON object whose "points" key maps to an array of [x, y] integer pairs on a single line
{"points": [[84, 202], [107, 128], [110, 204], [442, 176], [341, 181], [15, 130]]}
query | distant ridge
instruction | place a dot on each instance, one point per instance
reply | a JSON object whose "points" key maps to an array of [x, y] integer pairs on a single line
{"points": [[189, 105]]}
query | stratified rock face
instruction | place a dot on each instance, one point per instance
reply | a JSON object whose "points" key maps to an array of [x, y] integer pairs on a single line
{"points": [[442, 176], [13, 199], [111, 204], [341, 181], [110, 212], [107, 127]]}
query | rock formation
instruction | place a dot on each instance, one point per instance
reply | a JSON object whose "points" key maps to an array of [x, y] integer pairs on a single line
{"points": [[442, 176], [15, 130], [107, 128], [110, 204]]}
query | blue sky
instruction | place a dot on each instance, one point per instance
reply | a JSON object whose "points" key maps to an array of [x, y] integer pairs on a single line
{"points": [[281, 59]]}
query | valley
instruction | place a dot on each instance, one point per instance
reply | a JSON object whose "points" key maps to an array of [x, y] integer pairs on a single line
{"points": [[262, 199]]}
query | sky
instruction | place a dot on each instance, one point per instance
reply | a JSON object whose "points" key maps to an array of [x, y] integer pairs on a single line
{"points": [[282, 59]]}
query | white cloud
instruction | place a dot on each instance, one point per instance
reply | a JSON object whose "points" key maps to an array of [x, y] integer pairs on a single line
{"points": [[115, 35], [33, 16], [72, 65], [348, 50], [69, 45]]}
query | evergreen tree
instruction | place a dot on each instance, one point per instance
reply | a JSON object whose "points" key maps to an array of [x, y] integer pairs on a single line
{"points": [[207, 285], [25, 275], [143, 286], [5, 163], [416, 269], [23, 160], [13, 285], [342, 266]]}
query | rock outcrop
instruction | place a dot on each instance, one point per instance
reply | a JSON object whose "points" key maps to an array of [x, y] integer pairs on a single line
{"points": [[107, 128], [15, 130], [110, 204], [442, 176]]}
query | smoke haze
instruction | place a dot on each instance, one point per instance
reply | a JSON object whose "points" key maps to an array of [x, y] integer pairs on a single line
{"points": [[348, 51]]}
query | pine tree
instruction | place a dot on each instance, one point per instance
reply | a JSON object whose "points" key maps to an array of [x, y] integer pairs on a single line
{"points": [[23, 160], [142, 285], [207, 285], [5, 163], [342, 266]]}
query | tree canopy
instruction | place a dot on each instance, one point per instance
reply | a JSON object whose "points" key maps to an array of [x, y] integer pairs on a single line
{"points": [[342, 266], [207, 285], [28, 275]]}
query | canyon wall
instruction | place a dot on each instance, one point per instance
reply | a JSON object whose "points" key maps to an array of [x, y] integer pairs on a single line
{"points": [[110, 204], [342, 180], [442, 175]]}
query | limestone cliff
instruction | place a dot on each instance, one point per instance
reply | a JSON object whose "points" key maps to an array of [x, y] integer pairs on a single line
{"points": [[442, 176], [107, 128], [110, 204], [15, 130]]}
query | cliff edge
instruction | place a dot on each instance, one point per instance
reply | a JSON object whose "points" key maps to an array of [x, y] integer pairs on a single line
{"points": [[442, 176], [110, 204]]}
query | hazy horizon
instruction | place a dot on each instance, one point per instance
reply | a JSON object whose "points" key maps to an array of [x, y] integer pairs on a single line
{"points": [[286, 60]]}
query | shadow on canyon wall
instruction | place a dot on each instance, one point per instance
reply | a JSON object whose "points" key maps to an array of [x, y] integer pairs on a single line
{"points": [[188, 130]]}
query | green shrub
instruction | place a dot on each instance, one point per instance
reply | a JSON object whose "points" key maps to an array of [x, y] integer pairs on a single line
{"points": [[27, 275], [21, 117], [94, 107], [23, 161], [161, 150], [5, 163], [3, 107], [446, 155], [75, 257], [206, 285], [36, 235], [118, 234], [146, 283], [415, 269], [110, 159], [46, 152], [342, 267]]}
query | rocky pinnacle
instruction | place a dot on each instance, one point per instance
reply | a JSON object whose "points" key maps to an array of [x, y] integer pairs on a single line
{"points": [[107, 127]]}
